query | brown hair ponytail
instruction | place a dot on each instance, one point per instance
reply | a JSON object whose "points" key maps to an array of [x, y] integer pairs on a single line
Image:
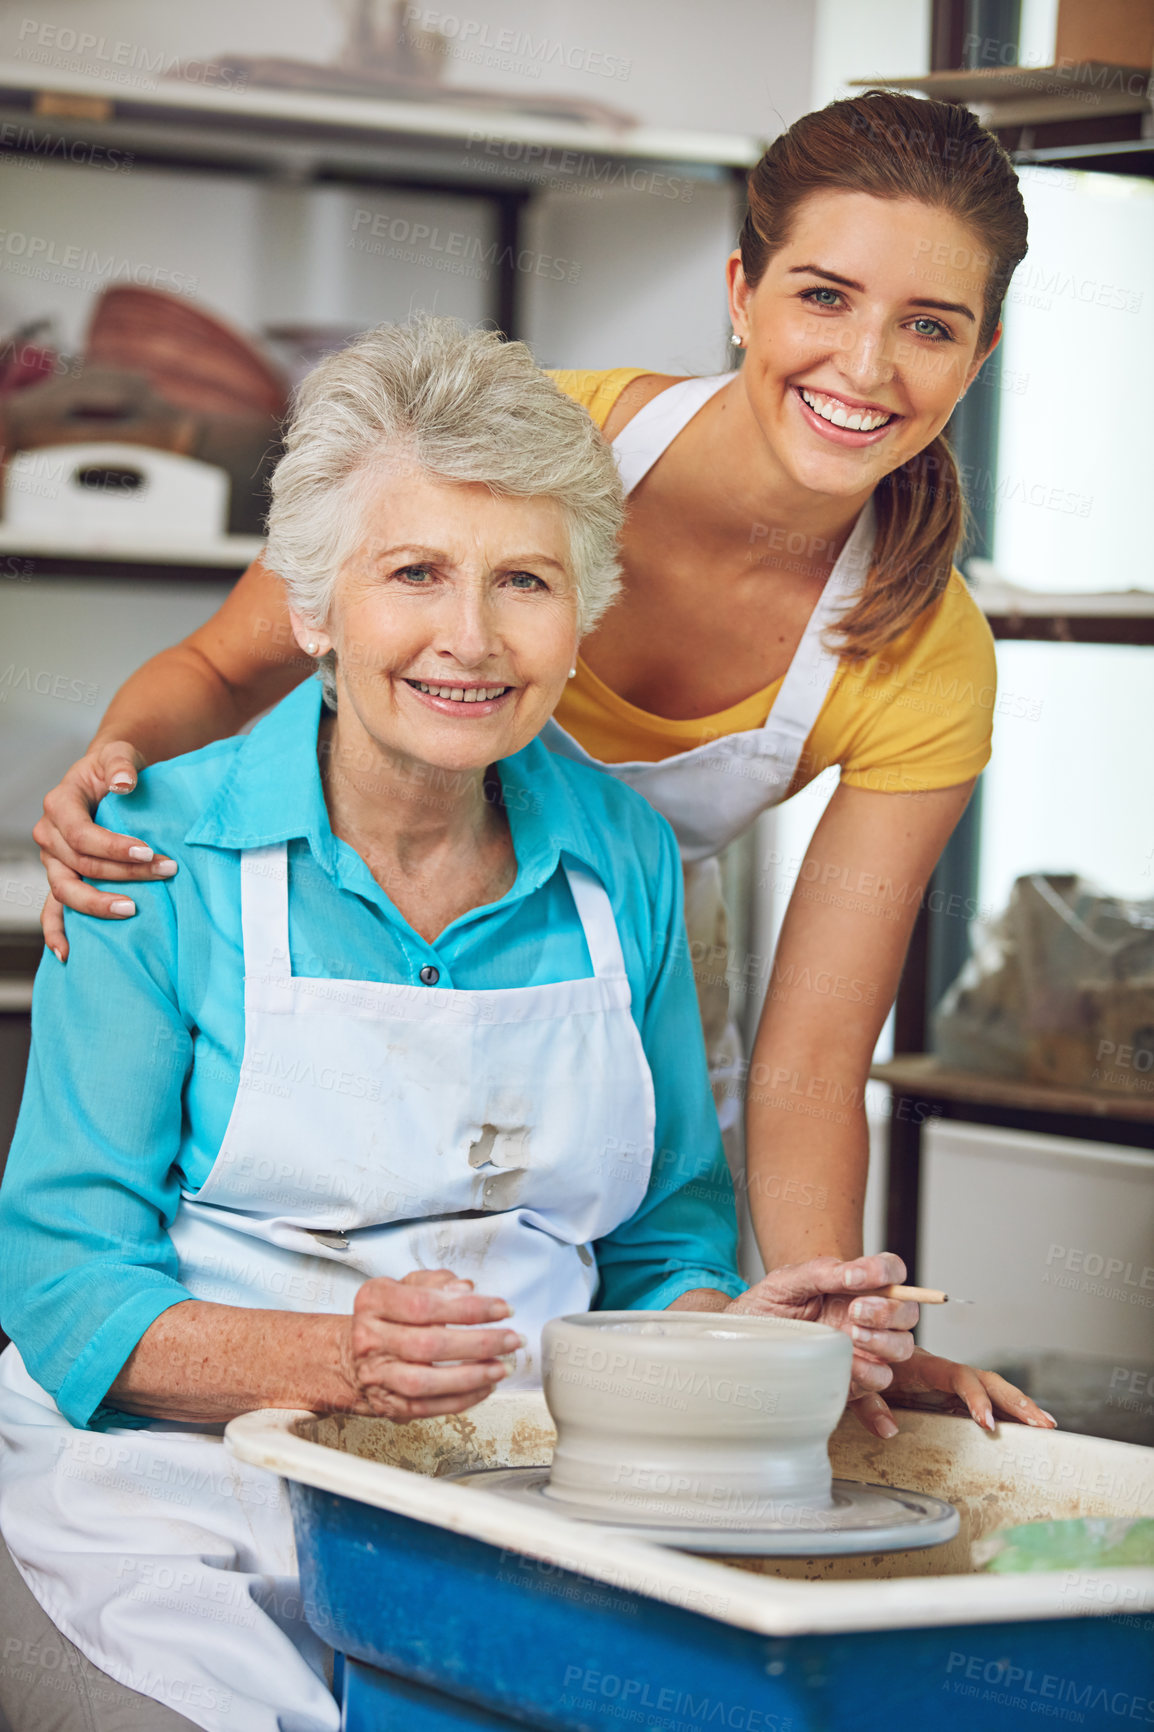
{"points": [[895, 146]]}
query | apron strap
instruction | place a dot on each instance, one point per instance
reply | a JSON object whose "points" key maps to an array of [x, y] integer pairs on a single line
{"points": [[264, 912], [595, 912], [654, 428], [810, 674]]}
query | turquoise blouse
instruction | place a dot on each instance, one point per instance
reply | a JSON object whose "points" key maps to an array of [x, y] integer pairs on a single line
{"points": [[137, 1042]]}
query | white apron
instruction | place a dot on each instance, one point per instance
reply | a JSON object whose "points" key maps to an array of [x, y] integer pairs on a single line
{"points": [[376, 1129], [713, 793]]}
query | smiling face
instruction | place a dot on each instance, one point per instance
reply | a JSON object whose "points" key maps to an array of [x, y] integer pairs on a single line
{"points": [[454, 623], [861, 336]]}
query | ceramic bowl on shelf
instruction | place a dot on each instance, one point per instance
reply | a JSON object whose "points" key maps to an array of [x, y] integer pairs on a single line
{"points": [[685, 1416]]}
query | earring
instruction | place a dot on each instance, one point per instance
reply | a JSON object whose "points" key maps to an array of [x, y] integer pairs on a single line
{"points": [[312, 646], [572, 673], [736, 342]]}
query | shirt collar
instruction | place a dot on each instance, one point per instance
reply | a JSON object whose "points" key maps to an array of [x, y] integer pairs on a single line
{"points": [[272, 793]]}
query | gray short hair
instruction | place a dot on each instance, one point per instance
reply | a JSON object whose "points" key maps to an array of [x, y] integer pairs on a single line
{"points": [[461, 404]]}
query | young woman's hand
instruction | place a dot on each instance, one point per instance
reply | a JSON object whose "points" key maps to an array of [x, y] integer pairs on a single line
{"points": [[73, 848], [415, 1348], [845, 1295], [946, 1385]]}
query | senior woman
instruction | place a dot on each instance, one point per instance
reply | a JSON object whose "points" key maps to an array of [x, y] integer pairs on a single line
{"points": [[381, 1070]]}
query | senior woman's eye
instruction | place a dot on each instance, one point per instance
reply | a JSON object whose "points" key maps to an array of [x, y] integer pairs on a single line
{"points": [[526, 581], [414, 573]]}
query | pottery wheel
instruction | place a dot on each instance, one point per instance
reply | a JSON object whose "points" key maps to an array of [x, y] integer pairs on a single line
{"points": [[861, 1518]]}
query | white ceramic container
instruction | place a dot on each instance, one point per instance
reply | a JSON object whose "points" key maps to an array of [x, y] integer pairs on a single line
{"points": [[689, 1416]]}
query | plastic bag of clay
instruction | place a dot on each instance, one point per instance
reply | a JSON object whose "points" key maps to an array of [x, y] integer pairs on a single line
{"points": [[1060, 990], [1083, 1543]]}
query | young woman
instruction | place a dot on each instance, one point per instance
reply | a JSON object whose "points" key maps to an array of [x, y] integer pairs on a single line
{"points": [[789, 603]]}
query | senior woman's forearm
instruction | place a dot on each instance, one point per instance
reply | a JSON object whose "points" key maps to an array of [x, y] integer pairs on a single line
{"points": [[208, 1362]]}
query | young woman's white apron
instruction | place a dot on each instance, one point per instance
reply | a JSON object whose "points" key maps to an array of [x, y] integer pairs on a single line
{"points": [[377, 1129], [713, 793]]}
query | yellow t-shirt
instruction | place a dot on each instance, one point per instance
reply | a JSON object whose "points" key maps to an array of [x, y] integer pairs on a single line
{"points": [[917, 715]]}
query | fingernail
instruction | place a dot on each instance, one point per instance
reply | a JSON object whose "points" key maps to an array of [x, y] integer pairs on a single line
{"points": [[496, 1372], [855, 1278], [988, 1421], [165, 869], [140, 853], [512, 1342], [862, 1334], [452, 1288], [885, 1427], [1048, 1416], [504, 1310], [58, 954], [120, 785], [859, 1313], [122, 905]]}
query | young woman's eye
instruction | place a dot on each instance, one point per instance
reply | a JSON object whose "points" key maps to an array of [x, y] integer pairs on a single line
{"points": [[811, 295], [932, 328], [526, 581]]}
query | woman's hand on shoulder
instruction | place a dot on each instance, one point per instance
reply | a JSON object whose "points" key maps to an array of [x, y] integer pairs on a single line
{"points": [[73, 848], [416, 1346]]}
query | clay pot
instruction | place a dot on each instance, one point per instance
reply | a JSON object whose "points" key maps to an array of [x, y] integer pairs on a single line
{"points": [[191, 358], [675, 1417]]}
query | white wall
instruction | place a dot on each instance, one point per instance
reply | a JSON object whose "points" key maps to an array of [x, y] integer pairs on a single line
{"points": [[880, 40], [67, 645], [651, 284], [1078, 360], [1048, 1237]]}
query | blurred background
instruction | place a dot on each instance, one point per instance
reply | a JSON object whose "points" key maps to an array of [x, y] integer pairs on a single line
{"points": [[197, 202]]}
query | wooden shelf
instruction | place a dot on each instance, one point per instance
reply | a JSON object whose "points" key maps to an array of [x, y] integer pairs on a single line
{"points": [[1034, 95], [86, 556], [1051, 616], [921, 1074], [310, 134]]}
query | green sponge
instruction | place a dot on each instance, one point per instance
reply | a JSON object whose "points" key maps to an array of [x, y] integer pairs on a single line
{"points": [[1103, 1542]]}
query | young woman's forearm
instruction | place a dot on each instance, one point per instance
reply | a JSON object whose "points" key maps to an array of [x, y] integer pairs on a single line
{"points": [[208, 1362], [175, 703], [836, 971], [237, 664], [806, 1168]]}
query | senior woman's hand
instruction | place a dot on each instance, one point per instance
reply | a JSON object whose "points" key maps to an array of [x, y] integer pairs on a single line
{"points": [[845, 1295], [415, 1348], [411, 1348]]}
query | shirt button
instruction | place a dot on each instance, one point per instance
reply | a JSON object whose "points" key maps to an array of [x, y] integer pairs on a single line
{"points": [[430, 975]]}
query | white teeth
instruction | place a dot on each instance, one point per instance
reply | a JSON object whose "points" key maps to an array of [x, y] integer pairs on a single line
{"points": [[461, 694], [859, 421]]}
